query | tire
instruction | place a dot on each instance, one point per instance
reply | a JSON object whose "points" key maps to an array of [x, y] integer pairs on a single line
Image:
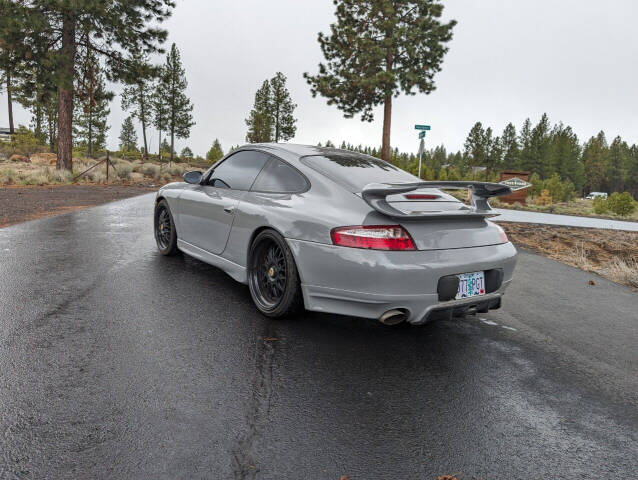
{"points": [[273, 279], [164, 229]]}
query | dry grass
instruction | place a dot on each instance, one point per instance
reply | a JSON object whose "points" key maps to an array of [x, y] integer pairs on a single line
{"points": [[622, 271], [125, 172], [612, 254]]}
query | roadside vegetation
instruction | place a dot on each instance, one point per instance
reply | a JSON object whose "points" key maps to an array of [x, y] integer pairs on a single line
{"points": [[612, 254]]}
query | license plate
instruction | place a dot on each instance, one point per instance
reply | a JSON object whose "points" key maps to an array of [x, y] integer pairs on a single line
{"points": [[471, 285]]}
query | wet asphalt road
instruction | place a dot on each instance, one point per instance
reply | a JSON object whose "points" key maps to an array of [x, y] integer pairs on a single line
{"points": [[116, 362]]}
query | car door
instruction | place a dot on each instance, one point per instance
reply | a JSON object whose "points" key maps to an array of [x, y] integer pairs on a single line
{"points": [[207, 211]]}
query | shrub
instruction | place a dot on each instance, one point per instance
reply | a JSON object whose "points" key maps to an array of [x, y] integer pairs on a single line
{"points": [[622, 204], [24, 142], [166, 178], [152, 170], [61, 176], [8, 176], [545, 198], [96, 175], [124, 170], [600, 206]]}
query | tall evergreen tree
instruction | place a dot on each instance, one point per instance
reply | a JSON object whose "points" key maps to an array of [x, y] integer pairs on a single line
{"points": [[617, 161], [595, 160], [282, 109], [179, 118], [539, 147], [475, 146], [564, 155], [260, 120], [11, 39], [378, 49], [509, 144], [56, 30], [128, 136], [159, 112], [525, 145], [494, 154], [215, 153], [136, 96], [91, 108]]}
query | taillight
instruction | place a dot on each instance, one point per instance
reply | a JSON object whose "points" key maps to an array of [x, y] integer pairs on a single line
{"points": [[421, 196], [502, 234], [374, 237]]}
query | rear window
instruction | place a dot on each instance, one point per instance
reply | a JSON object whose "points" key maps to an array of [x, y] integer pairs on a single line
{"points": [[354, 171]]}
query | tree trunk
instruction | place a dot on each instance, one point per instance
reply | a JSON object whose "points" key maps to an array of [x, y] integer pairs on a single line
{"points": [[159, 149], [10, 103], [387, 121], [277, 125], [143, 120], [65, 93], [172, 145], [38, 121], [90, 149]]}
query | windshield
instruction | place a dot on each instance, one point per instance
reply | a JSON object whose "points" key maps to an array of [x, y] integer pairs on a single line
{"points": [[354, 170]]}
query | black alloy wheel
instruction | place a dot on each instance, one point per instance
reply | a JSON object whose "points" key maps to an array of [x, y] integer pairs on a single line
{"points": [[272, 278], [165, 234]]}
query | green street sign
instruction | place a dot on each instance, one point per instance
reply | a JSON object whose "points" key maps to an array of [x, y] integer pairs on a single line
{"points": [[421, 127], [422, 134]]}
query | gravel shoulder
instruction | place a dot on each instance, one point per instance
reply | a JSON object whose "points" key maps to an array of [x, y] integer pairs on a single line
{"points": [[20, 204]]}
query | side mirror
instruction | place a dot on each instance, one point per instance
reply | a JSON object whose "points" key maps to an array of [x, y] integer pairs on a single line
{"points": [[193, 177]]}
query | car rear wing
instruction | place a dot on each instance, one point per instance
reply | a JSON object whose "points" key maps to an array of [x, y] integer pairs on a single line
{"points": [[375, 195]]}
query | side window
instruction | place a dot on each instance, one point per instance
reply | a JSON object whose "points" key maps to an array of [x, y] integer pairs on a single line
{"points": [[278, 177], [239, 170]]}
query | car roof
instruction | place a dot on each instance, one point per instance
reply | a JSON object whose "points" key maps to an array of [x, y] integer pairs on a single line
{"points": [[296, 149]]}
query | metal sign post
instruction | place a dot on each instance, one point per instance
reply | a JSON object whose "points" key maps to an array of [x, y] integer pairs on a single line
{"points": [[421, 148], [422, 130]]}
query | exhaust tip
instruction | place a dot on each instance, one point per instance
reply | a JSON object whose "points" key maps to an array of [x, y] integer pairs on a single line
{"points": [[393, 317]]}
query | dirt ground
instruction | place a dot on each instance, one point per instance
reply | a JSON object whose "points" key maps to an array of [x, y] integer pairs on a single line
{"points": [[612, 254], [19, 204]]}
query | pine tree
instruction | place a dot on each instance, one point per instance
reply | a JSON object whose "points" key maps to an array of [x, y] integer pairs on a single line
{"points": [[595, 160], [186, 153], [54, 32], [128, 136], [215, 153], [11, 39], [475, 146], [525, 145], [282, 109], [378, 49], [179, 107], [91, 107], [260, 121], [494, 155], [539, 147], [136, 96], [159, 113], [564, 155], [509, 144], [617, 160]]}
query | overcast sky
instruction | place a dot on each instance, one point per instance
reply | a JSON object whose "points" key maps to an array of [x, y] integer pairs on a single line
{"points": [[509, 60]]}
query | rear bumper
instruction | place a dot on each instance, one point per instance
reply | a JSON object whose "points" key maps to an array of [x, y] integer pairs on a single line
{"points": [[367, 283]]}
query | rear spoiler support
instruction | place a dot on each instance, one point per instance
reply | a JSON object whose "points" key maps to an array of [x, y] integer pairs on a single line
{"points": [[375, 195]]}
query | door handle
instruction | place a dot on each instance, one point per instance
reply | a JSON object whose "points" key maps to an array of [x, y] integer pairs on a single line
{"points": [[229, 209]]}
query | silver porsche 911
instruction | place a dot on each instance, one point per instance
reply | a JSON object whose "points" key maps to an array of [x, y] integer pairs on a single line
{"points": [[339, 232]]}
